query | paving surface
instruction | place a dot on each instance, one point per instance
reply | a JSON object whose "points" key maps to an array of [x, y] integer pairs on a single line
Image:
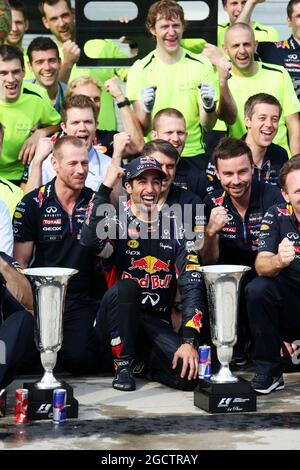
{"points": [[155, 417]]}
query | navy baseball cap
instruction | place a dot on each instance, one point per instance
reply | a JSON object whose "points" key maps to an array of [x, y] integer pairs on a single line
{"points": [[137, 166]]}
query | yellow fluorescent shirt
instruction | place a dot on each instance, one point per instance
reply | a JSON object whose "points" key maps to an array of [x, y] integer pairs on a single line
{"points": [[177, 87]]}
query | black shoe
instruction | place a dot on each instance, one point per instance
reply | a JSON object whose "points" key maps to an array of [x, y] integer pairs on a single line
{"points": [[124, 379], [239, 360], [265, 384]]}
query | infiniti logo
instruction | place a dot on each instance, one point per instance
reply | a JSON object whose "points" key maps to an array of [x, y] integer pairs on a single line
{"points": [[51, 210], [292, 236], [153, 298]]}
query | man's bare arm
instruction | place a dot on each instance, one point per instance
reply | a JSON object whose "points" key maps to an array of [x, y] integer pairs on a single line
{"points": [[270, 264], [246, 13], [17, 284]]}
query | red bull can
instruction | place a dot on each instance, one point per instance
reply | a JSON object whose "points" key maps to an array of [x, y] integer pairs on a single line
{"points": [[204, 362], [21, 406], [59, 405]]}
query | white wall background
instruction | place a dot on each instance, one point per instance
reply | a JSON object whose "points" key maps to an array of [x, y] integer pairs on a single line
{"points": [[272, 13]]}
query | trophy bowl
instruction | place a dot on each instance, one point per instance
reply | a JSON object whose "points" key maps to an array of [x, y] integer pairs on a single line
{"points": [[222, 284], [49, 288]]}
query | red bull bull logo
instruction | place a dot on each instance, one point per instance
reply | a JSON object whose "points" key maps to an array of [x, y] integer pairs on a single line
{"points": [[218, 200], [288, 211], [150, 264], [195, 321]]}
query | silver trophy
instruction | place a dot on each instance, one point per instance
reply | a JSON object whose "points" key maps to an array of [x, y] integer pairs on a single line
{"points": [[222, 284], [49, 287]]}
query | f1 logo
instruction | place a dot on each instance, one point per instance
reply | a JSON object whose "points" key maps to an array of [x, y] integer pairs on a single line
{"points": [[224, 402]]}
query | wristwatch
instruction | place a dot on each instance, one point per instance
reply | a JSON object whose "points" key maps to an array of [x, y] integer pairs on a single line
{"points": [[191, 341], [210, 110], [121, 104]]}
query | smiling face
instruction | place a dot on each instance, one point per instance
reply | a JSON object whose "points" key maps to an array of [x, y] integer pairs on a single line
{"points": [[235, 175], [71, 167], [19, 26], [234, 9], [240, 46], [263, 124], [11, 78], [81, 123], [59, 19], [45, 66], [144, 190], [173, 130], [168, 34]]}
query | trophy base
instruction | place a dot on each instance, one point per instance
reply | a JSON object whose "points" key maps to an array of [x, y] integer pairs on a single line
{"points": [[215, 397], [40, 402]]}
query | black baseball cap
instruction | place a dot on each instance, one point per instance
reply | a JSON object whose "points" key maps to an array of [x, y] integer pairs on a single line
{"points": [[137, 166]]}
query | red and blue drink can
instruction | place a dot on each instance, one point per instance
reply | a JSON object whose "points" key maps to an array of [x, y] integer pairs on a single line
{"points": [[59, 405], [204, 362], [21, 406]]}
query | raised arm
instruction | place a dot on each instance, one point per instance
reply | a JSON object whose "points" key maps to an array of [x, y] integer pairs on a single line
{"points": [[270, 264], [246, 13], [17, 284], [209, 252], [35, 179], [71, 54], [227, 110], [130, 122], [99, 231], [293, 127]]}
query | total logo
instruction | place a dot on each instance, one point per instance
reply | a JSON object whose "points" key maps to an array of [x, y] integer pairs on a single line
{"points": [[150, 264]]}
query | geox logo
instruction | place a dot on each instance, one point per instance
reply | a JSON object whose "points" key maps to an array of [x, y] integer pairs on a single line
{"points": [[224, 402], [44, 408]]}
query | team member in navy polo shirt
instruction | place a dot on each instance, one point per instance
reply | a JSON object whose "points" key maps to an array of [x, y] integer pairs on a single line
{"points": [[47, 229], [235, 213], [287, 52], [274, 297], [262, 114]]}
